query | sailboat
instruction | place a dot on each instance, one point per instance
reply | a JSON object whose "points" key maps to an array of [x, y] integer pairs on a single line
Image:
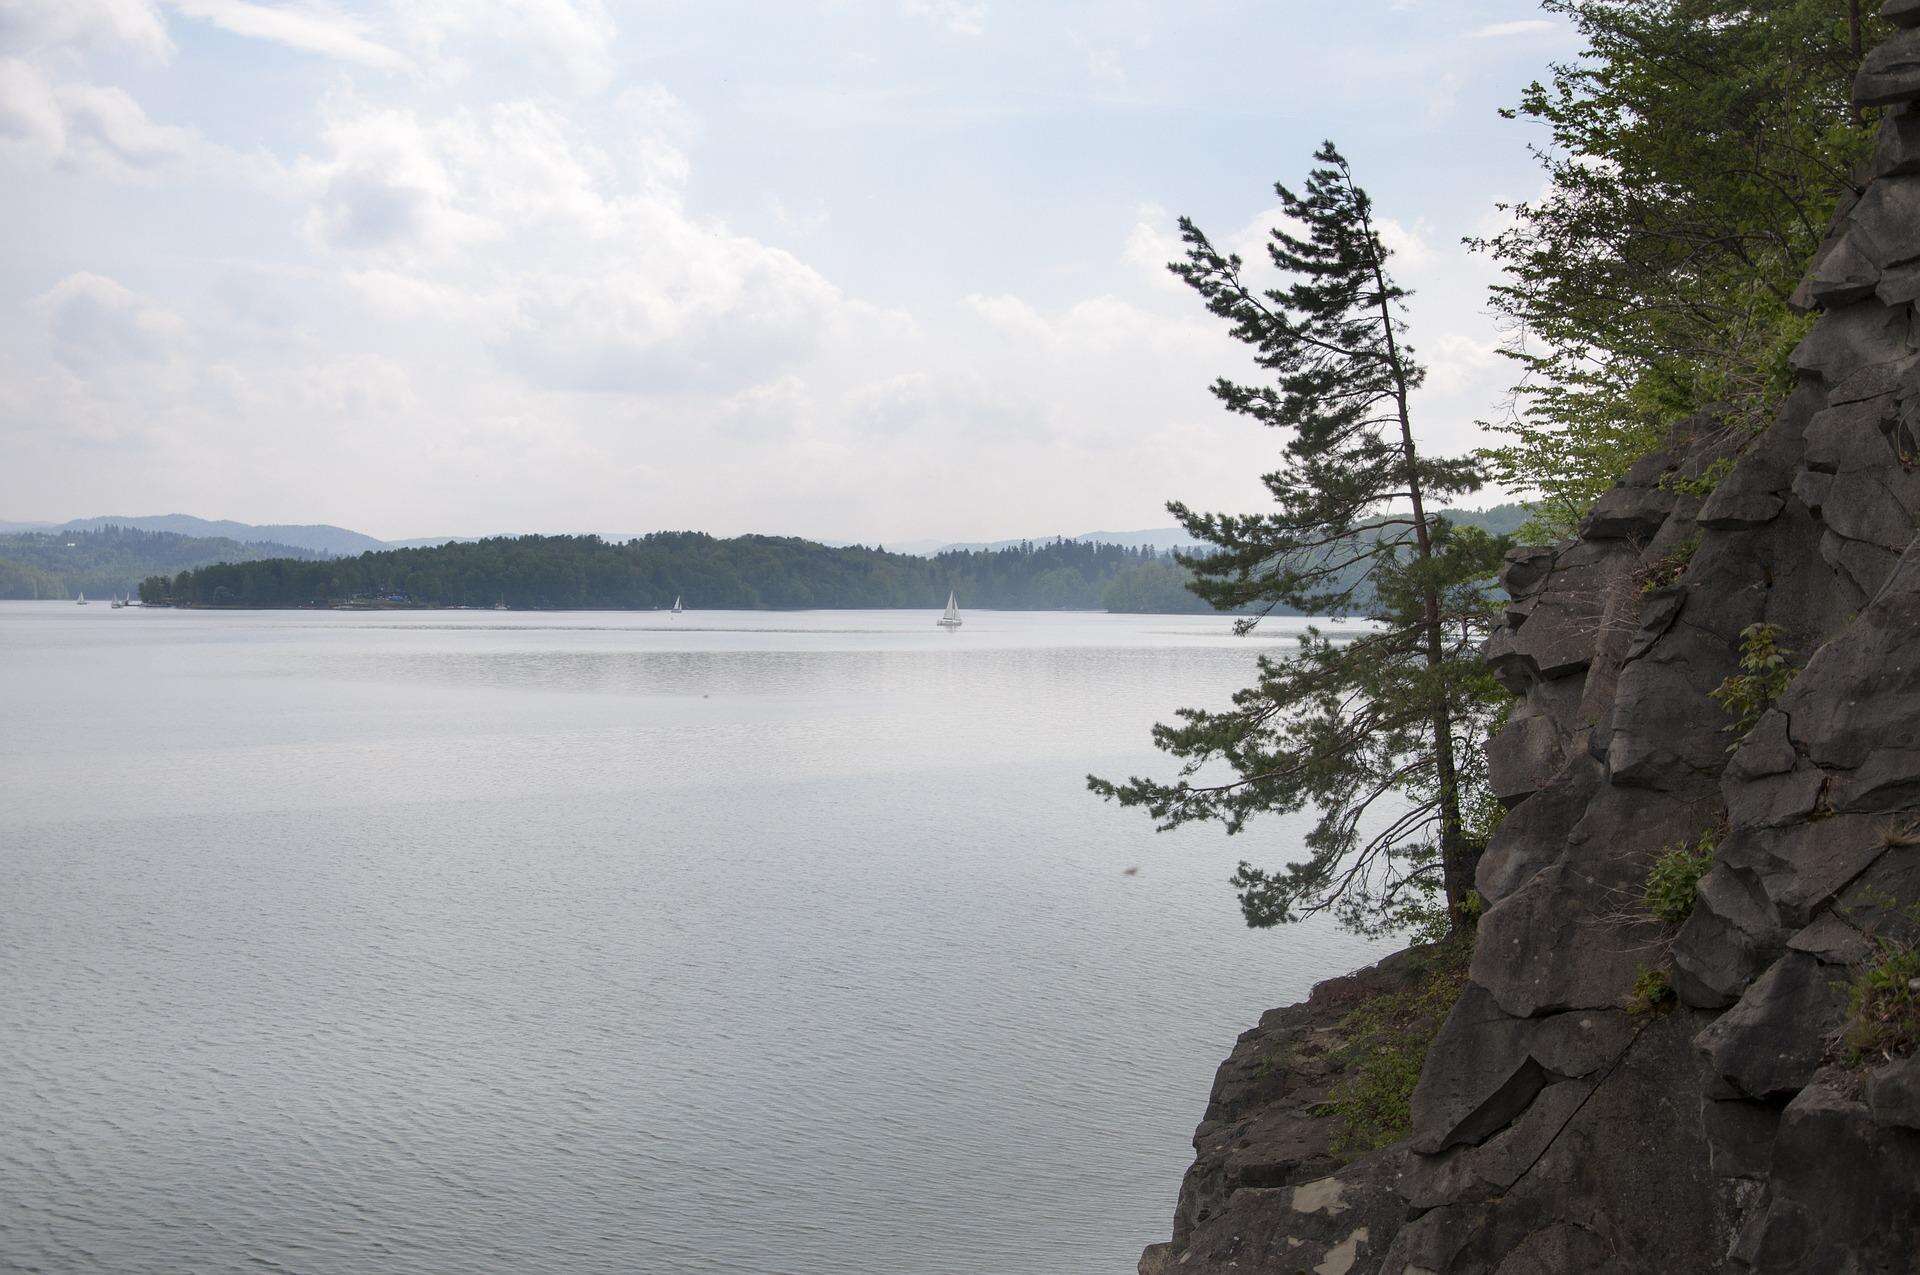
{"points": [[82, 600], [950, 618], [117, 603], [677, 608]]}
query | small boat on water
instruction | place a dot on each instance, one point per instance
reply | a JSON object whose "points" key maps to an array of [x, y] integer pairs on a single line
{"points": [[81, 601], [118, 602], [677, 608], [950, 618]]}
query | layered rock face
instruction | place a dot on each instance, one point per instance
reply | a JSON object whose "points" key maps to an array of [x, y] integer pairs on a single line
{"points": [[1552, 1130]]}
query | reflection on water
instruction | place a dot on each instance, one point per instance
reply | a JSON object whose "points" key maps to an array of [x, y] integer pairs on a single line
{"points": [[762, 943]]}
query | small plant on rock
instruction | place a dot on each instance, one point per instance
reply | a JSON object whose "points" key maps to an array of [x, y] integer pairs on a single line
{"points": [[1883, 1004], [1762, 679], [1702, 484], [1883, 1018], [1673, 882], [1385, 1042], [1671, 566], [1652, 990]]}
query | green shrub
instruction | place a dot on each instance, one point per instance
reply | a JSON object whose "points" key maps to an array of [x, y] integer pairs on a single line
{"points": [[1652, 990], [1762, 679], [1385, 1044], [1673, 881]]}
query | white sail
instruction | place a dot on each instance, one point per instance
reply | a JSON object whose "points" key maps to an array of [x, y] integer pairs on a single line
{"points": [[951, 617], [677, 608]]}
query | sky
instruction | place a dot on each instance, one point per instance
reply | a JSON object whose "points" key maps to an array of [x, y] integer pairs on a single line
{"points": [[861, 270]]}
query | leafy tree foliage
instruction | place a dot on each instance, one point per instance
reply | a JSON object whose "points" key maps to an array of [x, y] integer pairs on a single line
{"points": [[747, 572], [1693, 155], [18, 580], [1378, 733]]}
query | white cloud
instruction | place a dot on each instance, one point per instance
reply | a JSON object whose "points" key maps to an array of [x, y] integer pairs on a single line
{"points": [[1152, 245], [1506, 30], [651, 133], [385, 186], [1456, 361], [958, 407], [548, 45], [36, 26], [395, 295], [310, 31], [596, 279], [110, 124], [392, 181], [958, 16], [691, 306], [1098, 328], [1410, 245], [95, 323], [100, 129], [29, 111], [1251, 240]]}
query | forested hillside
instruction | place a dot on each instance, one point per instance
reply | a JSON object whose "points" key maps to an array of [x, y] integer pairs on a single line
{"points": [[746, 572], [113, 559]]}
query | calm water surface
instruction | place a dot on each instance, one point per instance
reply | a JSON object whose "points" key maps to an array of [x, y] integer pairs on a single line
{"points": [[737, 942]]}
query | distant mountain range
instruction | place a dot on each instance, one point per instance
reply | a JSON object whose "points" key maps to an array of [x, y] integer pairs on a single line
{"points": [[314, 537]]}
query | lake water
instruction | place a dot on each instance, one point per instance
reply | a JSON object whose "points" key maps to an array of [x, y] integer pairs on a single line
{"points": [[732, 942]]}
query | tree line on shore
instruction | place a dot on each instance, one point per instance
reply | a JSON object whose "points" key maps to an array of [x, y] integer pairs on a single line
{"points": [[708, 572]]}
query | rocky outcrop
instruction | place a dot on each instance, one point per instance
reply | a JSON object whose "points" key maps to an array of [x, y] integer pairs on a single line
{"points": [[1552, 1131]]}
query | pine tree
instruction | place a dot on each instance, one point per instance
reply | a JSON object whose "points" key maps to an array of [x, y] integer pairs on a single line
{"points": [[1378, 730]]}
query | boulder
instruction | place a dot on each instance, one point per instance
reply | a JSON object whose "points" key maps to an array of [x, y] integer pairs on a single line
{"points": [[1901, 13], [1524, 756], [1489, 1067], [1843, 1190], [1890, 72], [1893, 1093], [1896, 150], [1770, 1044], [1845, 275], [1733, 933]]}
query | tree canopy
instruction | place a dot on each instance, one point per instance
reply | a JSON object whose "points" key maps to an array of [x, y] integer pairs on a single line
{"points": [[1693, 155]]}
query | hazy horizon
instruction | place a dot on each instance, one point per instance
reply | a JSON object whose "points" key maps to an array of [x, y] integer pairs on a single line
{"points": [[433, 269]]}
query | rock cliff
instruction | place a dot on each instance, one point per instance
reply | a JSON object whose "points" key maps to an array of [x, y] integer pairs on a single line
{"points": [[1552, 1129]]}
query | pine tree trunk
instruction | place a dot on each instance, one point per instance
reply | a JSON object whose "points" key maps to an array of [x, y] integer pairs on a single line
{"points": [[1456, 866]]}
